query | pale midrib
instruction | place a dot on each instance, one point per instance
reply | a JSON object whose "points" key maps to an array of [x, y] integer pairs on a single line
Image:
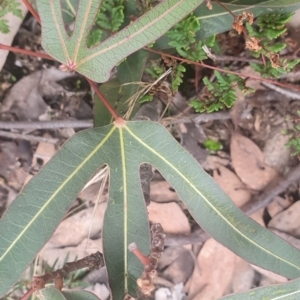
{"points": [[62, 42], [286, 295], [57, 191], [138, 32], [213, 207], [125, 208], [82, 32]]}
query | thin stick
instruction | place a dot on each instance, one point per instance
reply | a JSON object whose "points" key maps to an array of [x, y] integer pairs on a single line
{"points": [[273, 189], [103, 99], [93, 261], [33, 12], [222, 70], [26, 137], [47, 124], [287, 93], [26, 52], [233, 58]]}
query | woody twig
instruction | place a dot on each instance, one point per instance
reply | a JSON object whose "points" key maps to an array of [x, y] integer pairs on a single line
{"points": [[93, 261]]}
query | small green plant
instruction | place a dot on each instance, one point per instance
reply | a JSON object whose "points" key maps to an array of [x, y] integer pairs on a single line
{"points": [[294, 142], [220, 94], [183, 37], [108, 21], [8, 6], [212, 145], [123, 146], [267, 31]]}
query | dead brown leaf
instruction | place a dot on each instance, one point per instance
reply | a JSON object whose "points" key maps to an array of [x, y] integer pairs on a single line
{"points": [[74, 229], [170, 216], [213, 272], [232, 186], [278, 205], [288, 220], [243, 277], [161, 191], [248, 163], [181, 267], [252, 43]]}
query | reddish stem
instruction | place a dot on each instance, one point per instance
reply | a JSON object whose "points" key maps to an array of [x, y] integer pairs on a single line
{"points": [[228, 10], [145, 260], [103, 99], [32, 10], [28, 294], [224, 71], [27, 52]]}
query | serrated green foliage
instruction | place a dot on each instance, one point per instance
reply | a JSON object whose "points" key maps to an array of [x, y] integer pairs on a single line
{"points": [[268, 70], [111, 15], [94, 37], [109, 19], [177, 74], [155, 70], [183, 38], [158, 68], [220, 94], [4, 28], [267, 29], [10, 6], [146, 98], [294, 142]]}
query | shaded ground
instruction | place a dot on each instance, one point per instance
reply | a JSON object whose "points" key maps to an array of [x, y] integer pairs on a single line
{"points": [[253, 160]]}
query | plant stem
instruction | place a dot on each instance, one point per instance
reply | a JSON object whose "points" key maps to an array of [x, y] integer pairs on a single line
{"points": [[222, 70], [228, 10], [32, 10], [26, 52], [93, 261], [103, 99]]}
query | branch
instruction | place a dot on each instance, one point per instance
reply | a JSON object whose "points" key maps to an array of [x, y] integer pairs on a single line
{"points": [[27, 137], [47, 124], [103, 99], [93, 261], [223, 70], [32, 10], [26, 52], [276, 187]]}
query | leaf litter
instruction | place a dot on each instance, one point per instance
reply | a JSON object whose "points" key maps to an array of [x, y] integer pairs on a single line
{"points": [[199, 267]]}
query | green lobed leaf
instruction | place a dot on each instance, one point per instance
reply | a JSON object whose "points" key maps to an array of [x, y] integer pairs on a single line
{"points": [[115, 90], [286, 291], [96, 62], [33, 216]]}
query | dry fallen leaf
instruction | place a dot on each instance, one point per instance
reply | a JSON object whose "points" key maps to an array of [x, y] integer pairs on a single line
{"points": [[243, 277], [86, 247], [181, 267], [170, 216], [278, 205], [288, 220], [213, 272], [248, 163], [74, 229], [232, 186], [161, 191]]}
